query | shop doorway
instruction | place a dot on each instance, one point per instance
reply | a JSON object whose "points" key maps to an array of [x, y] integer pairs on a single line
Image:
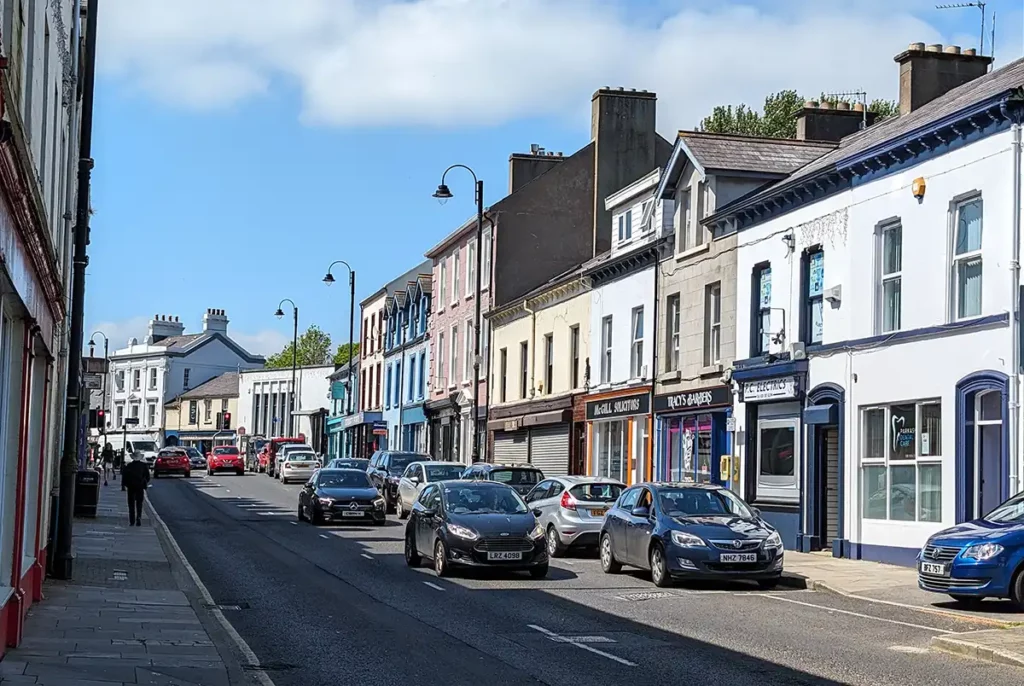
{"points": [[830, 496], [578, 463], [823, 415], [982, 464], [988, 447]]}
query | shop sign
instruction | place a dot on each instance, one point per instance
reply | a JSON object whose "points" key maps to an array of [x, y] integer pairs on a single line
{"points": [[624, 406], [696, 399], [513, 424], [380, 428], [782, 388]]}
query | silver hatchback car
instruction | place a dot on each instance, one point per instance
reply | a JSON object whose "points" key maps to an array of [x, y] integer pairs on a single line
{"points": [[572, 509]]}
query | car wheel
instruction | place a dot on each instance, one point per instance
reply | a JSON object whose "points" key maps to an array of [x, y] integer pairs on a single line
{"points": [[539, 572], [188, 475], [315, 517], [441, 567], [967, 600], [659, 567], [609, 565], [402, 514], [767, 584], [284, 480], [389, 507], [1017, 589], [555, 546], [302, 515], [412, 556], [240, 472]]}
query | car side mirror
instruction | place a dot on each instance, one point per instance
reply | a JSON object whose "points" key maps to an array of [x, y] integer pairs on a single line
{"points": [[642, 512], [757, 512], [537, 512]]}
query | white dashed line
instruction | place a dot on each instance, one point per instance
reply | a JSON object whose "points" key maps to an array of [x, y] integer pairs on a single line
{"points": [[368, 557], [294, 523], [581, 642], [434, 586], [323, 536], [855, 614]]}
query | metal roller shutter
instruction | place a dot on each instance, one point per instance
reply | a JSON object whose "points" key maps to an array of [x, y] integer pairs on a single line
{"points": [[549, 449], [511, 447]]}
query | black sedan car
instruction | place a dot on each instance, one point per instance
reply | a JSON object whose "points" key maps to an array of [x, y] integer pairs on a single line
{"points": [[196, 458], [340, 495], [349, 463], [475, 524], [690, 530]]}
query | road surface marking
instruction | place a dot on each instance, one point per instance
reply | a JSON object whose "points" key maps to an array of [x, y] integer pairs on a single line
{"points": [[434, 586], [294, 523], [581, 642], [854, 614], [323, 536], [272, 514], [368, 557], [918, 608], [567, 562]]}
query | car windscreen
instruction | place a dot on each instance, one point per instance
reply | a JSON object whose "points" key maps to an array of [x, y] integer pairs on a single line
{"points": [[517, 477], [144, 446], [230, 450], [701, 502], [476, 498], [349, 464], [192, 452], [444, 472], [171, 453], [1010, 511], [596, 493], [343, 479], [399, 461], [297, 456]]}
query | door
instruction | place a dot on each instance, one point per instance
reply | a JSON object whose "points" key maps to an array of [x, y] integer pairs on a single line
{"points": [[549, 448], [430, 499], [512, 447], [989, 451], [830, 440], [619, 521], [578, 464], [638, 531]]}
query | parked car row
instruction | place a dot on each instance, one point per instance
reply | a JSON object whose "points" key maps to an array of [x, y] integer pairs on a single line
{"points": [[513, 517]]}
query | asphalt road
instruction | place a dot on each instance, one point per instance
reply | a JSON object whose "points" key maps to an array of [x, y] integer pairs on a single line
{"points": [[329, 605]]}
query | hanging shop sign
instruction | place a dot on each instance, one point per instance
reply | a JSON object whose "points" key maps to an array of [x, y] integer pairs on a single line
{"points": [[380, 428], [696, 399], [623, 406], [781, 388]]}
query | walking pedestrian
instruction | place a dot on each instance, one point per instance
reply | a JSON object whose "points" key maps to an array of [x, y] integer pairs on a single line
{"points": [[135, 480], [107, 456]]}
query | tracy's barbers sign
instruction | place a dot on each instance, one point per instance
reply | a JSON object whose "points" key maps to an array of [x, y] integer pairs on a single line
{"points": [[713, 396], [623, 406]]}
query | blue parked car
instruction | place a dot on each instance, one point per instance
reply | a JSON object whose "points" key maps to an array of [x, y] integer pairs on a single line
{"points": [[979, 559], [690, 530]]}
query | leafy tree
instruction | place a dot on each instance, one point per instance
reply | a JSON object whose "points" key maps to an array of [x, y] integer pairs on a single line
{"points": [[342, 354], [778, 116], [314, 348]]}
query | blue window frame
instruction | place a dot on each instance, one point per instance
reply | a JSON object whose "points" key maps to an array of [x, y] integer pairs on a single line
{"points": [[422, 380]]}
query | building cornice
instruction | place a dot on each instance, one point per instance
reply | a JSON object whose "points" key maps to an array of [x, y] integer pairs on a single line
{"points": [[555, 294]]}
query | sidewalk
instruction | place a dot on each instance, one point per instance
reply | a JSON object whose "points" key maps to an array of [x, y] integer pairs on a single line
{"points": [[890, 584], [123, 619]]}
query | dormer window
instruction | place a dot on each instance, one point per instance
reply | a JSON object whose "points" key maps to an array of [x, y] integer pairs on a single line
{"points": [[648, 222], [625, 226]]}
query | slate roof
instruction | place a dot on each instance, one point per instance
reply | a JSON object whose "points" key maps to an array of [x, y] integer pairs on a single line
{"points": [[223, 386], [746, 153], [179, 341]]}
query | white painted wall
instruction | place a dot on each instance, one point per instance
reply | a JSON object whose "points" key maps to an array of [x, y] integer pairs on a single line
{"points": [[314, 391], [618, 299]]}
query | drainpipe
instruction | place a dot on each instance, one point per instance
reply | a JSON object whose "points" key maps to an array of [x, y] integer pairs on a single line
{"points": [[533, 348], [649, 467], [1014, 404]]}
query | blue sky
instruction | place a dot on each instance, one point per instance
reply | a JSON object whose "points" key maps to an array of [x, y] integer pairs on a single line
{"points": [[238, 153]]}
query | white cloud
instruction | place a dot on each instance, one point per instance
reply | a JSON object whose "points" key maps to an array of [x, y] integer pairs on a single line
{"points": [[120, 332], [265, 342], [452, 63]]}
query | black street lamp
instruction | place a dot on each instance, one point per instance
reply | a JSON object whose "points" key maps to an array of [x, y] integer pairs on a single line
{"points": [[295, 352], [443, 193], [106, 372], [329, 279]]}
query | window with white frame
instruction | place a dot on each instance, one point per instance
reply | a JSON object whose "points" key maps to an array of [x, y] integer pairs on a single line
{"points": [[455, 357], [778, 460], [549, 362], [134, 411], [683, 241], [606, 349], [485, 347], [626, 225], [503, 371], [901, 461], [890, 283], [467, 372], [442, 378], [471, 269], [119, 415], [136, 379], [455, 276], [207, 411], [443, 278], [119, 380], [761, 326], [672, 334], [648, 221], [485, 276], [967, 258], [152, 378], [636, 348], [151, 415], [574, 356], [814, 294], [713, 324], [524, 368]]}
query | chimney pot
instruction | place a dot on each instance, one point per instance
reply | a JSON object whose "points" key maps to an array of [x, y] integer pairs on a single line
{"points": [[811, 104], [621, 88], [934, 47], [970, 51], [931, 73], [858, 107], [952, 49], [842, 105], [826, 105], [916, 46]]}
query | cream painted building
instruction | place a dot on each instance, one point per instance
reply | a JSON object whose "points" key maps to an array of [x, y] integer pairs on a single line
{"points": [[204, 415], [540, 366]]}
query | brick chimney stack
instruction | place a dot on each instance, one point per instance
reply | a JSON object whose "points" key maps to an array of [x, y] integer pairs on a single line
{"points": [[525, 167], [827, 122], [215, 321], [929, 72]]}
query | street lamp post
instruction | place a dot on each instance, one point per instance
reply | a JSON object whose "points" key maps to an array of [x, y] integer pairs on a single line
{"points": [[329, 279], [106, 372], [443, 193], [295, 351]]}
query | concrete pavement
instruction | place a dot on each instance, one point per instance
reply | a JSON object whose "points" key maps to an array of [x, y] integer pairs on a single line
{"points": [[129, 616]]}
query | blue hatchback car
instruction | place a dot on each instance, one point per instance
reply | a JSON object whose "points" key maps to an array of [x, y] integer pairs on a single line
{"points": [[690, 530], [980, 559]]}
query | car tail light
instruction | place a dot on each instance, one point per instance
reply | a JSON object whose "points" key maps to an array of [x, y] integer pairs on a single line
{"points": [[568, 502]]}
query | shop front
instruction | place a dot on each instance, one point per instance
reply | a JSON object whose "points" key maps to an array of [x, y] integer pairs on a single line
{"points": [[772, 398], [359, 439], [414, 428], [444, 419], [618, 427], [540, 433], [692, 435]]}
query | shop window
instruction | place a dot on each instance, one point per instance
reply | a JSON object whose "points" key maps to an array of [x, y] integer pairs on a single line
{"points": [[611, 449], [712, 324], [778, 461], [688, 448], [672, 334], [967, 266], [813, 296], [890, 278], [636, 350], [901, 462], [761, 315]]}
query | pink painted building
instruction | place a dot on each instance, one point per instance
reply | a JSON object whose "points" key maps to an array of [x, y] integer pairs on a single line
{"points": [[451, 330]]}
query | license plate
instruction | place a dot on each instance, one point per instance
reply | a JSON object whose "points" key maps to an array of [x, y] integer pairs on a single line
{"points": [[351, 514], [738, 557], [598, 513], [301, 465], [933, 568], [505, 556]]}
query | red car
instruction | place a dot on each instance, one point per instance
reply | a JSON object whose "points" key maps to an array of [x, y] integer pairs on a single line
{"points": [[172, 461], [225, 458]]}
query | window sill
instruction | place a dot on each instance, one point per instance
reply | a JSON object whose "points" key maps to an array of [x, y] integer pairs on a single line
{"points": [[711, 369], [690, 252]]}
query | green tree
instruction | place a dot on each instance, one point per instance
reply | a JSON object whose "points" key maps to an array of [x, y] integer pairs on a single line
{"points": [[342, 354], [314, 349], [777, 119]]}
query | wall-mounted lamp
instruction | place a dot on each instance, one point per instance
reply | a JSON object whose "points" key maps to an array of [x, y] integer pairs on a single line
{"points": [[918, 188]]}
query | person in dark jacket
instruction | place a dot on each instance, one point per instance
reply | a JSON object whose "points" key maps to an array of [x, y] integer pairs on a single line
{"points": [[135, 480]]}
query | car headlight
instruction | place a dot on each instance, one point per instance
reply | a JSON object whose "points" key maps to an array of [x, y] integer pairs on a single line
{"points": [[326, 501], [685, 540], [379, 503], [982, 551], [538, 532], [462, 532], [773, 541]]}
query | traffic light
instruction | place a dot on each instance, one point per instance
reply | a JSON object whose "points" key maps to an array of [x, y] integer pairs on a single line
{"points": [[226, 420], [101, 419]]}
